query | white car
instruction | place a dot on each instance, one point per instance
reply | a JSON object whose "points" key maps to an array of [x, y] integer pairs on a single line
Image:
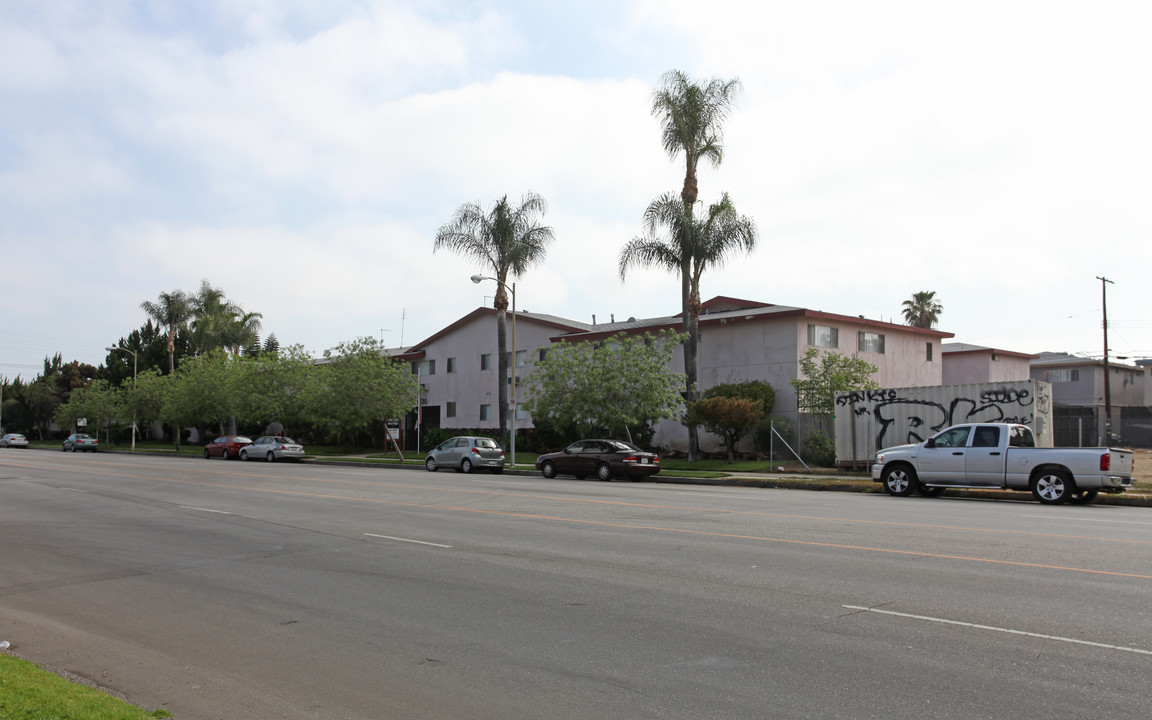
{"points": [[14, 440], [272, 448]]}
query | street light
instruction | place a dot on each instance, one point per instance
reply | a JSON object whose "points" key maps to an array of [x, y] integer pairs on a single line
{"points": [[512, 397], [114, 348]]}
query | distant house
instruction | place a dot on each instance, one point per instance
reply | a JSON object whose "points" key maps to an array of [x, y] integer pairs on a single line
{"points": [[966, 364], [1078, 397]]}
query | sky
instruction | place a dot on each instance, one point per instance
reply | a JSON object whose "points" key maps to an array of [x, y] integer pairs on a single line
{"points": [[301, 156]]}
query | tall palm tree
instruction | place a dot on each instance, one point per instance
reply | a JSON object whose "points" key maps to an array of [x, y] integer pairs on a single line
{"points": [[219, 323], [692, 115], [507, 240], [923, 310], [171, 311], [677, 240]]}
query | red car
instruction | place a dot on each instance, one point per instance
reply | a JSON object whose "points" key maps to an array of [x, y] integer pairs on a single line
{"points": [[605, 459], [227, 447]]}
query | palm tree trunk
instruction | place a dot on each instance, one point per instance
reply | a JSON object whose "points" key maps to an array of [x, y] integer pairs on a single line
{"points": [[502, 365], [691, 324]]}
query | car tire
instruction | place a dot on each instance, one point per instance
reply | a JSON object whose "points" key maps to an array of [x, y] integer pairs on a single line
{"points": [[1053, 487], [899, 480], [270, 457], [206, 453], [465, 465], [225, 455], [244, 456], [1082, 497], [430, 465], [63, 448], [604, 471], [548, 470]]}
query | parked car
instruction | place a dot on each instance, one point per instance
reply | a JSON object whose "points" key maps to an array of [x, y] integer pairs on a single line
{"points": [[227, 447], [80, 441], [14, 440], [273, 447], [605, 459], [462, 454]]}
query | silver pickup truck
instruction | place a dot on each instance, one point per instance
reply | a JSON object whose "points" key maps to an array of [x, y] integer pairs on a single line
{"points": [[1005, 456]]}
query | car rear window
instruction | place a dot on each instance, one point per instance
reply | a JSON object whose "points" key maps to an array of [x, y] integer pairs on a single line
{"points": [[486, 443]]}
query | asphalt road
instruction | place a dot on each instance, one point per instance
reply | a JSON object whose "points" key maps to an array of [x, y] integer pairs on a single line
{"points": [[246, 590]]}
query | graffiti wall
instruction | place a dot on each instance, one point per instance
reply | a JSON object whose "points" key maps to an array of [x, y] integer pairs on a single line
{"points": [[870, 420]]}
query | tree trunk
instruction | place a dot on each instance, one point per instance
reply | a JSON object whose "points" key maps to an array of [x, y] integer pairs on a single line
{"points": [[502, 365]]}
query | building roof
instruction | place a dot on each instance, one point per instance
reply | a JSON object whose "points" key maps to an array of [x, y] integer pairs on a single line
{"points": [[1060, 359], [723, 310], [551, 321], [968, 348]]}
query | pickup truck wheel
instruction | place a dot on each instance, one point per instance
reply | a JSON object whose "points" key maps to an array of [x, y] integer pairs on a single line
{"points": [[1082, 497], [1053, 487], [899, 480]]}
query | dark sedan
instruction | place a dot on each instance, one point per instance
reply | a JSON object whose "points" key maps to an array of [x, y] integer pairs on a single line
{"points": [[80, 442], [227, 446], [605, 459]]}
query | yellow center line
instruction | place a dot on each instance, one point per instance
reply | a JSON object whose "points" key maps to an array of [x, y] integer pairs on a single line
{"points": [[627, 526]]}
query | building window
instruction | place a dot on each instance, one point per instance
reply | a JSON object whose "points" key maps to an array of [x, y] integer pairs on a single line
{"points": [[823, 336], [450, 409], [521, 358], [929, 353], [486, 361], [485, 412], [521, 413], [1062, 375], [430, 367], [542, 354], [870, 342], [451, 365]]}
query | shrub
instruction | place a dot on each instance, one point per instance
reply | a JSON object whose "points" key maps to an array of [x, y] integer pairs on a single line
{"points": [[819, 449]]}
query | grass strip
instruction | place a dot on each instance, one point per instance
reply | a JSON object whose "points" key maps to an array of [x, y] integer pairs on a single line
{"points": [[29, 692]]}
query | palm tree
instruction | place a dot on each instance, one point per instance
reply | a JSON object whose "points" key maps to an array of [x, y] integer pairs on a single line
{"points": [[922, 311], [219, 323], [507, 239], [692, 115], [678, 241], [171, 311]]}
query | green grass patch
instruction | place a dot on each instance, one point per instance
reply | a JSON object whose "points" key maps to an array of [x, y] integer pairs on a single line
{"points": [[28, 692]]}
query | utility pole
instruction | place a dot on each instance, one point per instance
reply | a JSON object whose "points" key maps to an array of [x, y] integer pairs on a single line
{"points": [[1104, 283]]}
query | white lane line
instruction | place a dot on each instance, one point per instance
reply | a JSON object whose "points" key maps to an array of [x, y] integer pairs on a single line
{"points": [[218, 512], [73, 490], [397, 539], [1081, 519], [976, 626]]}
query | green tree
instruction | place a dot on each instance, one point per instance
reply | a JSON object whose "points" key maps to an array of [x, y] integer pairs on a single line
{"points": [[216, 322], [729, 417], [758, 391], [172, 312], [826, 373], [692, 114], [507, 240], [204, 392], [677, 241], [359, 386], [619, 385], [276, 387], [101, 404], [923, 310]]}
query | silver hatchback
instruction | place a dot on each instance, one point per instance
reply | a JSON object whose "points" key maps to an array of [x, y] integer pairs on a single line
{"points": [[463, 454]]}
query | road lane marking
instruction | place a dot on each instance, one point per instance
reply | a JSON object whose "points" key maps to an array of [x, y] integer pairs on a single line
{"points": [[207, 510], [73, 490], [1081, 519], [976, 626], [407, 540]]}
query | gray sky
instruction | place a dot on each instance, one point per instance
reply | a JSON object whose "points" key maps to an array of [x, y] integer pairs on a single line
{"points": [[302, 155]]}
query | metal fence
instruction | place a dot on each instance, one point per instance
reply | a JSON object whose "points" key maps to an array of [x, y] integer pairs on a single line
{"points": [[1083, 427]]}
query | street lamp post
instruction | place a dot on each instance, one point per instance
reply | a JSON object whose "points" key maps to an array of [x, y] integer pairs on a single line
{"points": [[512, 390], [114, 348]]}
